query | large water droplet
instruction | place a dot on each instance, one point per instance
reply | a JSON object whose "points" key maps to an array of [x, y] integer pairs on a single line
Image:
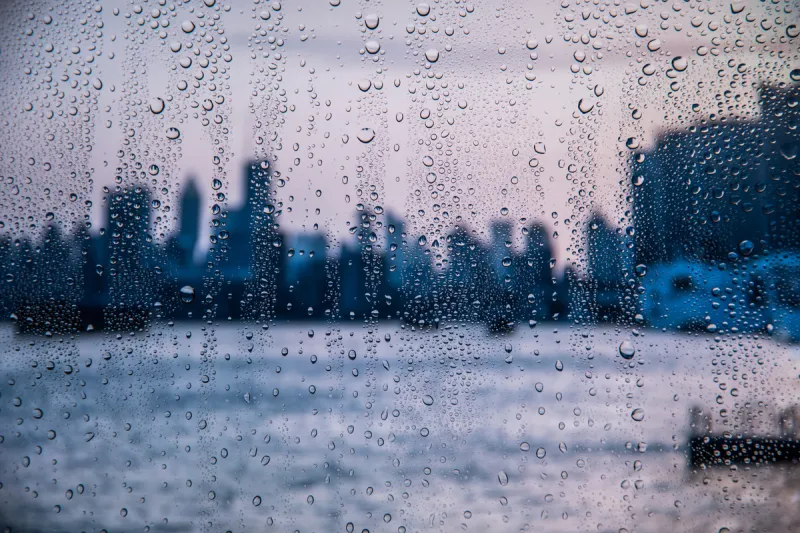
{"points": [[366, 135], [157, 105], [654, 45], [502, 477], [371, 21], [680, 63], [372, 46], [627, 350], [432, 55], [187, 294]]}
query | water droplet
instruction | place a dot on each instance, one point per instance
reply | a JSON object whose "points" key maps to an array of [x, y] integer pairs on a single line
{"points": [[372, 21], [502, 477], [427, 400], [746, 247], [585, 106], [187, 26], [423, 9], [525, 447], [627, 350], [372, 46], [432, 55], [173, 133], [680, 63], [366, 135], [157, 105], [187, 294], [638, 414], [257, 501]]}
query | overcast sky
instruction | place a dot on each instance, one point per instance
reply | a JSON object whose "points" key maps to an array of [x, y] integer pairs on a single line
{"points": [[494, 127]]}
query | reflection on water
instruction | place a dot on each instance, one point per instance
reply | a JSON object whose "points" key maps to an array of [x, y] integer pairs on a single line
{"points": [[309, 428]]}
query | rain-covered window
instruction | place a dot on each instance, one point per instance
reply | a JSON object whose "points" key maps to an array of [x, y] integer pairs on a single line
{"points": [[399, 266]]}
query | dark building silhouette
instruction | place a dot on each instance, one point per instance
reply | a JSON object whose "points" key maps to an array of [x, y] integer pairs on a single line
{"points": [[703, 196], [120, 278], [608, 268], [699, 193], [537, 295], [188, 233], [133, 285]]}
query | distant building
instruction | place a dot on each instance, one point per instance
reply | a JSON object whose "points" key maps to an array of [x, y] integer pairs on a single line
{"points": [[699, 193]]}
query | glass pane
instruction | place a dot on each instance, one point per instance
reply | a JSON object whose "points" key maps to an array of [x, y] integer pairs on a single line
{"points": [[361, 265]]}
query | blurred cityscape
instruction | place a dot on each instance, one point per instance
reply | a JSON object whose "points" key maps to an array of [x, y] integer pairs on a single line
{"points": [[713, 245]]}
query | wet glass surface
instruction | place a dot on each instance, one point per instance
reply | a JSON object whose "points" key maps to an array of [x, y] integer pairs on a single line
{"points": [[360, 265]]}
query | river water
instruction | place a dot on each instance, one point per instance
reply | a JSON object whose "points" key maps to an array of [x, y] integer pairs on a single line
{"points": [[315, 427]]}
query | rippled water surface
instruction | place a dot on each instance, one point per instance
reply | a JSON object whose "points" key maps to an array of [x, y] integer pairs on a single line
{"points": [[516, 432]]}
